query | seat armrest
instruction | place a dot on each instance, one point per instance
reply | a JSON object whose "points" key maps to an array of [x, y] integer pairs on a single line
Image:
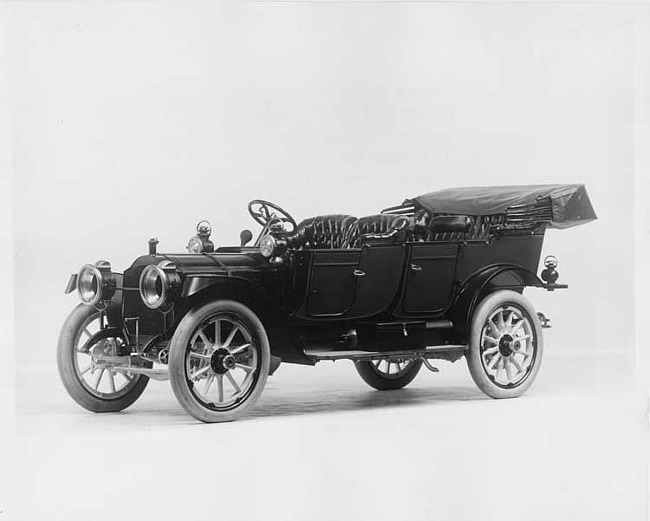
{"points": [[450, 223]]}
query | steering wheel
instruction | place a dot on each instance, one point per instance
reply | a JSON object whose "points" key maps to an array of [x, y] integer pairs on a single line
{"points": [[266, 213]]}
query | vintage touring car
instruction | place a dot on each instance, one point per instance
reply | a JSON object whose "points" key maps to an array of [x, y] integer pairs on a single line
{"points": [[440, 276]]}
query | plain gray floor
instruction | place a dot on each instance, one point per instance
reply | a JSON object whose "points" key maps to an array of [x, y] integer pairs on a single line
{"points": [[322, 445]]}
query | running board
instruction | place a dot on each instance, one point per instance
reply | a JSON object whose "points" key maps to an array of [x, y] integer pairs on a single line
{"points": [[429, 352]]}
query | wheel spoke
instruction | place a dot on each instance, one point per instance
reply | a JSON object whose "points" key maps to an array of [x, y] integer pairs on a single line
{"points": [[246, 368], [506, 365], [517, 364], [522, 337], [200, 372], [239, 349], [517, 326], [220, 387], [98, 379], [493, 328], [89, 368], [217, 334], [230, 336], [232, 381], [208, 384], [111, 380], [500, 322], [206, 343], [491, 350], [494, 362], [491, 339], [525, 354], [509, 319], [201, 357]]}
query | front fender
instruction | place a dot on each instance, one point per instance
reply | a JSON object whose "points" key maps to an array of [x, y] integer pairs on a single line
{"points": [[194, 285], [493, 278], [198, 290]]}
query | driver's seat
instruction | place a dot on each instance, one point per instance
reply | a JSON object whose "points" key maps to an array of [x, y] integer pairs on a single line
{"points": [[321, 232]]}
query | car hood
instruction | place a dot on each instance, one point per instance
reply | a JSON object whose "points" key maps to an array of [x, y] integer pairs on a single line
{"points": [[210, 264]]}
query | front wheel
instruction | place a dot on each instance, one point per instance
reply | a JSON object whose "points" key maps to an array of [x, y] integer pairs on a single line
{"points": [[386, 375], [219, 361], [506, 345], [93, 384]]}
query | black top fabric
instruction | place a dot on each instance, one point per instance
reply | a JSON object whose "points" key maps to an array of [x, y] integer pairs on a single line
{"points": [[570, 203]]}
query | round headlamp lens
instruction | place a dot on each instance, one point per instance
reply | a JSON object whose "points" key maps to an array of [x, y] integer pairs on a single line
{"points": [[89, 285], [153, 287], [267, 245], [195, 245]]}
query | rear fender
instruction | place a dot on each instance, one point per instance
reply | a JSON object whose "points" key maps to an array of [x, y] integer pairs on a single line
{"points": [[493, 278]]}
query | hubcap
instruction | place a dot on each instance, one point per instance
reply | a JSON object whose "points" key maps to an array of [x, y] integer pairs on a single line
{"points": [[221, 361], [508, 346]]}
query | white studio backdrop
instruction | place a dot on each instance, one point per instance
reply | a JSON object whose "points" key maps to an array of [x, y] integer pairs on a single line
{"points": [[139, 119]]}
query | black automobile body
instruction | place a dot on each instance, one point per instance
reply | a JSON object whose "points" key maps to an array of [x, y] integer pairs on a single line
{"points": [[440, 276]]}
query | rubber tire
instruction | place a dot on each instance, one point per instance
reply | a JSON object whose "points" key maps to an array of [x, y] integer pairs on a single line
{"points": [[369, 375], [178, 345], [65, 363], [483, 310]]}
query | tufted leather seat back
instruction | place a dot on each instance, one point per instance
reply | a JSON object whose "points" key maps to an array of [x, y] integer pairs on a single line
{"points": [[481, 225], [478, 227], [322, 231], [375, 224]]}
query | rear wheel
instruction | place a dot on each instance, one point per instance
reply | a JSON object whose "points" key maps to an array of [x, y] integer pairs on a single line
{"points": [[219, 361], [506, 345], [89, 381], [386, 375]]}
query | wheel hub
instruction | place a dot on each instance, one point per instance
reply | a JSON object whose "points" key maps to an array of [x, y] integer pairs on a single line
{"points": [[103, 348], [508, 345], [222, 361]]}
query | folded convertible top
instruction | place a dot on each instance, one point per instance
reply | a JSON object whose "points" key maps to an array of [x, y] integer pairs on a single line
{"points": [[562, 206]]}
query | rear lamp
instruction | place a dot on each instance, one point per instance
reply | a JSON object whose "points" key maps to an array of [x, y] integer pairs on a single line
{"points": [[159, 285], [550, 274], [96, 284]]}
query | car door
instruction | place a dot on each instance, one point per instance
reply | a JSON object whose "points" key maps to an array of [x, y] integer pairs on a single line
{"points": [[332, 282], [378, 278], [353, 283], [430, 275]]}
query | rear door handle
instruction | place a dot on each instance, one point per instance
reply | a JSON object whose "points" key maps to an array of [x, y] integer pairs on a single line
{"points": [[359, 273], [415, 267]]}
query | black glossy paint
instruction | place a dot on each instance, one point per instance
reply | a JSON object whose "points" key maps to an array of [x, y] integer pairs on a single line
{"points": [[316, 296]]}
